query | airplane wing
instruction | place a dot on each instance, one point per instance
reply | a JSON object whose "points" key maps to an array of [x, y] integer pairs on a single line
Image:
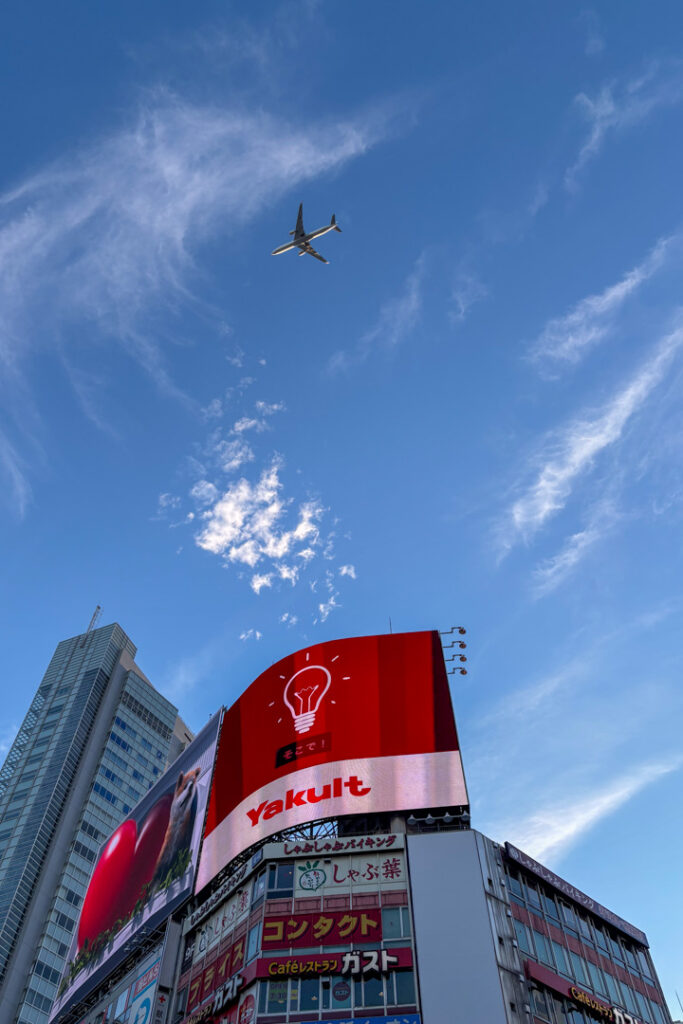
{"points": [[299, 229], [307, 248]]}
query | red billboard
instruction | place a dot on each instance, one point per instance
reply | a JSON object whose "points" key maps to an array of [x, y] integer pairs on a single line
{"points": [[355, 726], [145, 870]]}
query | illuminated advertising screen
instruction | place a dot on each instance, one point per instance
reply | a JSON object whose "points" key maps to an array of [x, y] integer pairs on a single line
{"points": [[355, 726], [144, 871]]}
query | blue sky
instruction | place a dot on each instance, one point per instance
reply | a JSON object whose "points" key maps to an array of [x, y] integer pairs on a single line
{"points": [[473, 415]]}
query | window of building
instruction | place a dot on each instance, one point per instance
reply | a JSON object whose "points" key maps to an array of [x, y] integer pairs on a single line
{"points": [[369, 991], [585, 929], [84, 851], [568, 915], [629, 996], [309, 994], [657, 1014], [532, 896], [597, 980], [514, 884], [259, 889], [601, 938], [105, 794], [274, 997], [578, 968], [64, 922], [550, 906], [253, 941], [119, 741], [539, 1004], [644, 965], [615, 948], [542, 948], [630, 957], [280, 880], [523, 937], [613, 988], [395, 925], [91, 831], [562, 959], [404, 988]]}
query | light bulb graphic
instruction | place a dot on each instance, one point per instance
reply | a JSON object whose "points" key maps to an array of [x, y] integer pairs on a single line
{"points": [[304, 692]]}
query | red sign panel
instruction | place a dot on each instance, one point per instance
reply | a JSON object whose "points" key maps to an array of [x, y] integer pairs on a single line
{"points": [[331, 929], [329, 963], [352, 726]]}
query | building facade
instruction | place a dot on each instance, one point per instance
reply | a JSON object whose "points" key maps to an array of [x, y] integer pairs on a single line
{"points": [[407, 927], [95, 738], [391, 911]]}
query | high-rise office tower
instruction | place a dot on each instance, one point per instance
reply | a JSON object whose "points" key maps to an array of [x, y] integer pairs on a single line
{"points": [[95, 738]]}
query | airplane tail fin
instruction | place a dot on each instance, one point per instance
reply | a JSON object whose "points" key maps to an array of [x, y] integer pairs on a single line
{"points": [[334, 224]]}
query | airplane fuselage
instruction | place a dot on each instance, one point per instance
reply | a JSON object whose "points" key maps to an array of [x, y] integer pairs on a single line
{"points": [[299, 239]]}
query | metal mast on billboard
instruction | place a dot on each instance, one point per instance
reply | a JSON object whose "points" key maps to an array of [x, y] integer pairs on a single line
{"points": [[455, 643]]}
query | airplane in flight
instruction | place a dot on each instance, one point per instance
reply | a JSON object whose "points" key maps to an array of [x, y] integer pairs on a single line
{"points": [[301, 240]]}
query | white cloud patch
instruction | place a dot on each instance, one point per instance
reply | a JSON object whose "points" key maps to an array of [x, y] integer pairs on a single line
{"points": [[348, 570], [467, 291], [204, 492], [622, 105], [548, 833], [594, 44], [230, 455], [246, 525], [214, 409], [567, 338], [576, 449], [251, 634], [288, 619], [397, 319], [166, 503]]}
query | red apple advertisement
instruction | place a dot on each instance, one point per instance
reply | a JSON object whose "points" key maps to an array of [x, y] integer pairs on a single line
{"points": [[144, 870], [352, 726]]}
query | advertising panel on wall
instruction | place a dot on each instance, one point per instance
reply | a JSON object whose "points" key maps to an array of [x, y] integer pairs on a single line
{"points": [[355, 726], [144, 871]]}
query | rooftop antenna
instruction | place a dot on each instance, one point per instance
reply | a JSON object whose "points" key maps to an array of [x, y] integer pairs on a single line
{"points": [[91, 625], [390, 629]]}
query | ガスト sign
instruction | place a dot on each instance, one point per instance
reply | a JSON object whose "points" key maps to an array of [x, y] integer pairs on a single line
{"points": [[353, 726]]}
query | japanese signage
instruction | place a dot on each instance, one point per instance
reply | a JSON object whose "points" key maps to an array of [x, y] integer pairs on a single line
{"points": [[394, 1018], [142, 1002], [597, 1006], [144, 871], [354, 726], [340, 873], [331, 929], [216, 974], [366, 961], [333, 845], [575, 894], [221, 923]]}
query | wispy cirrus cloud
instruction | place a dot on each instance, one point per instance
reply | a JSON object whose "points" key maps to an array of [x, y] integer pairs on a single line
{"points": [[566, 339], [619, 106], [549, 833], [14, 470], [552, 572], [466, 292], [102, 245], [397, 319], [573, 452]]}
